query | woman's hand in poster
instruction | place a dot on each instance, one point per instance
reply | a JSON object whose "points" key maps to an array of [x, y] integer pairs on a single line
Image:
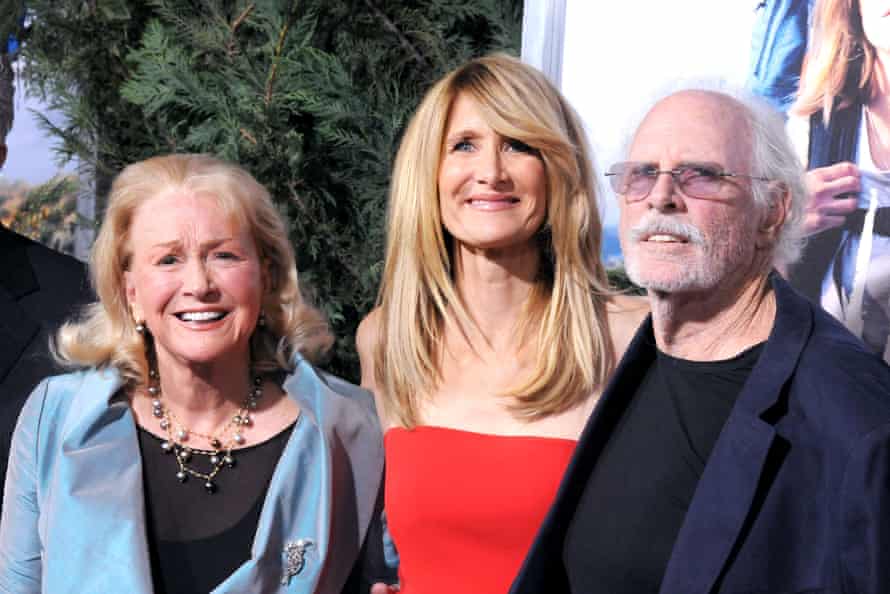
{"points": [[832, 197]]}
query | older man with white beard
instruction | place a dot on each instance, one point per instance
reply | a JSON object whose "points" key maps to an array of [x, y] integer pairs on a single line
{"points": [[743, 444]]}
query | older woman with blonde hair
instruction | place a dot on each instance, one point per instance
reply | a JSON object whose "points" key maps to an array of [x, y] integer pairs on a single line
{"points": [[844, 100], [197, 449], [495, 329]]}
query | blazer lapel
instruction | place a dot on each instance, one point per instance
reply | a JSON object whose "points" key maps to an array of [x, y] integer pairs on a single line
{"points": [[297, 506], [726, 491], [17, 328], [721, 503], [100, 544]]}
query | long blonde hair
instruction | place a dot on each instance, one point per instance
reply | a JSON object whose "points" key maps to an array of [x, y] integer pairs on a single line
{"points": [[840, 63], [566, 312], [106, 335]]}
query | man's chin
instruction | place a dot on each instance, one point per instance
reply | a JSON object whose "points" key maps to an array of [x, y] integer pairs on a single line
{"points": [[668, 283]]}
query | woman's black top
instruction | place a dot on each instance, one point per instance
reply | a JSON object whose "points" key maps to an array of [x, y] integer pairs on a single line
{"points": [[197, 539]]}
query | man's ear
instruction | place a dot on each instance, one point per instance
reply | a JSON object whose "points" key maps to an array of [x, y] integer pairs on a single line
{"points": [[774, 215]]}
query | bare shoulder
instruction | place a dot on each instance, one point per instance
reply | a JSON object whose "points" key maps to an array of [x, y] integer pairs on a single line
{"points": [[368, 329], [366, 338], [626, 313]]}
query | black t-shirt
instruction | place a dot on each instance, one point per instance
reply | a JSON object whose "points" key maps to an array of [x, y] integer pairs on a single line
{"points": [[635, 501], [197, 539]]}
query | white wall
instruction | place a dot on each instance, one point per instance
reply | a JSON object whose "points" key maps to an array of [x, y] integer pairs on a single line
{"points": [[617, 55]]}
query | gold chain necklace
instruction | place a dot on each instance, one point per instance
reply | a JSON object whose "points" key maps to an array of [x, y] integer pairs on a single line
{"points": [[221, 443]]}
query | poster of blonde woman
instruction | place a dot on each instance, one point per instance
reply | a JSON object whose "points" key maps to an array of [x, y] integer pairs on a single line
{"points": [[841, 117]]}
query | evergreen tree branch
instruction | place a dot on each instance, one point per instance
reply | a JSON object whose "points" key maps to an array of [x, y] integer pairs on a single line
{"points": [[276, 57], [240, 18], [403, 40]]}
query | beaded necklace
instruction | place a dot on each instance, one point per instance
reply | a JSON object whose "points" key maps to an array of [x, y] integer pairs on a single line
{"points": [[220, 444]]}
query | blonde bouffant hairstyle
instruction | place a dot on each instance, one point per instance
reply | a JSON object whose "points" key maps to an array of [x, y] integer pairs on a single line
{"points": [[106, 336], [565, 315], [837, 45]]}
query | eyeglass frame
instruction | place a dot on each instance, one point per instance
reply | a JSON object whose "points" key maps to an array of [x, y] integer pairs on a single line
{"points": [[718, 172]]}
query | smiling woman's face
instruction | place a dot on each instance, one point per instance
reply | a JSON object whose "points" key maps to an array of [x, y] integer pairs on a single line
{"points": [[195, 278], [492, 189]]}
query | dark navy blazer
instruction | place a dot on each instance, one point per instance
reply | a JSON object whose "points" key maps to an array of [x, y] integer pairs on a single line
{"points": [[795, 496], [39, 289]]}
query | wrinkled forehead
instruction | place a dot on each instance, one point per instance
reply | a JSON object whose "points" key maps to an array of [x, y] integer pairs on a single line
{"points": [[695, 126], [182, 212]]}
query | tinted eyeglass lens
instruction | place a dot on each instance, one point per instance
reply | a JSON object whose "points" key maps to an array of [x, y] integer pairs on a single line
{"points": [[639, 182], [631, 180], [698, 182], [634, 181]]}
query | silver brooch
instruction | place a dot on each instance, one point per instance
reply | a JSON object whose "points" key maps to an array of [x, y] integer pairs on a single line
{"points": [[295, 558]]}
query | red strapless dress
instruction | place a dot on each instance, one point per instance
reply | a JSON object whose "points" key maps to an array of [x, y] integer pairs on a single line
{"points": [[463, 508]]}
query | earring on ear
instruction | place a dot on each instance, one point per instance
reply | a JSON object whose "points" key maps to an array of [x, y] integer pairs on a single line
{"points": [[140, 328]]}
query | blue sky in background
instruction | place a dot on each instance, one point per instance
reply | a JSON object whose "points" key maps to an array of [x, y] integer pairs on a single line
{"points": [[30, 158]]}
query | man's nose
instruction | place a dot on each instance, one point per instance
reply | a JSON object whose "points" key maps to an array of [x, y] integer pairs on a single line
{"points": [[664, 194]]}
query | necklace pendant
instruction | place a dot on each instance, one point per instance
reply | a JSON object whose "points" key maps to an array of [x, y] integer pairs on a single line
{"points": [[165, 424], [229, 460], [182, 435], [209, 486], [182, 476], [214, 460], [158, 412], [185, 454], [167, 446], [238, 438]]}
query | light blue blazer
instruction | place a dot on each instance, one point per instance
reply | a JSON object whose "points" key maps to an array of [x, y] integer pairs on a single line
{"points": [[74, 510]]}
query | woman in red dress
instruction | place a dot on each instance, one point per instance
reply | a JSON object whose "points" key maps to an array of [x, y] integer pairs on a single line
{"points": [[495, 328]]}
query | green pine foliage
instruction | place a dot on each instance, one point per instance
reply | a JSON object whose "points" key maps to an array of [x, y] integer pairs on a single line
{"points": [[73, 59], [311, 97]]}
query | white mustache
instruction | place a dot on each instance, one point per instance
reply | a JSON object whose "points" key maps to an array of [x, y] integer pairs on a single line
{"points": [[658, 225]]}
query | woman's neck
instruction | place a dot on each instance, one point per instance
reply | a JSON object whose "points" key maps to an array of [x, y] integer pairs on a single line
{"points": [[204, 396], [495, 285]]}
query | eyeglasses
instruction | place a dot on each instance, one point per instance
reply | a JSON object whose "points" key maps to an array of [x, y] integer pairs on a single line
{"points": [[634, 180]]}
